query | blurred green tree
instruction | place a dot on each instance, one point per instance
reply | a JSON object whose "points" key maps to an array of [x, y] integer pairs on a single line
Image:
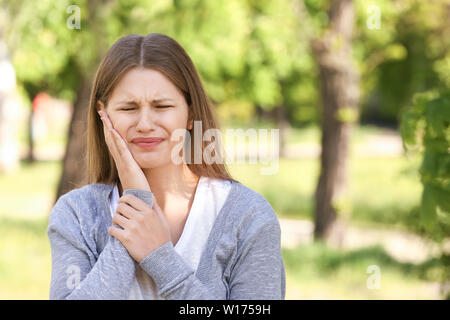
{"points": [[55, 48], [408, 53], [425, 128]]}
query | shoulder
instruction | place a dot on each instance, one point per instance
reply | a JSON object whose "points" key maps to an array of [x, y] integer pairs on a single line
{"points": [[85, 196], [79, 204], [251, 210], [246, 197]]}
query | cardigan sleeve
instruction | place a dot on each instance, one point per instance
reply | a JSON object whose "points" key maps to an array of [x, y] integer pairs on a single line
{"points": [[73, 275], [257, 272]]}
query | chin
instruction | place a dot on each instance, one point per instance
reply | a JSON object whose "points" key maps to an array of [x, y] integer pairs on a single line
{"points": [[149, 161]]}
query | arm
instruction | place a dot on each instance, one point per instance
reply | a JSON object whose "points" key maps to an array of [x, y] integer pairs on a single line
{"points": [[257, 273], [259, 270], [73, 275]]}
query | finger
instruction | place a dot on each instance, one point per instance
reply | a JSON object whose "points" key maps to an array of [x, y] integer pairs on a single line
{"points": [[121, 221], [109, 127], [117, 233], [126, 210], [119, 144], [121, 147], [133, 201], [109, 139], [105, 118]]}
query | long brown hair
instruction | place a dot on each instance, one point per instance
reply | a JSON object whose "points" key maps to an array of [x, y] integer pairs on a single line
{"points": [[161, 53]]}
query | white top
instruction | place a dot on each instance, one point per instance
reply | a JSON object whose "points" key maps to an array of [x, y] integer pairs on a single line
{"points": [[209, 198]]}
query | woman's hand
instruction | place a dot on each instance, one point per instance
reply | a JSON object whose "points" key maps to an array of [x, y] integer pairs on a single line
{"points": [[144, 229], [130, 174]]}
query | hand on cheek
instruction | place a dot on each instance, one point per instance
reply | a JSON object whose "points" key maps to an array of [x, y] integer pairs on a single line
{"points": [[130, 173]]}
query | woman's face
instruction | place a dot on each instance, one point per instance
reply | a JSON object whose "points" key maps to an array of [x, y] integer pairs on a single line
{"points": [[146, 104]]}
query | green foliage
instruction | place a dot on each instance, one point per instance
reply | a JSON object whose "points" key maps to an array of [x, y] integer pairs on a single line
{"points": [[250, 51], [255, 52], [426, 128], [347, 115], [409, 53]]}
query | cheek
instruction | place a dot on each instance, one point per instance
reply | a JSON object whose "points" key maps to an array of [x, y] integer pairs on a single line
{"points": [[175, 120], [121, 125]]}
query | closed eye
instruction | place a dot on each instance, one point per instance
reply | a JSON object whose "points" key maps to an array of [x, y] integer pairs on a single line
{"points": [[162, 107], [158, 107]]}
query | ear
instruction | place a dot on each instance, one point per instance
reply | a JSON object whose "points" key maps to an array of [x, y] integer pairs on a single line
{"points": [[190, 122]]}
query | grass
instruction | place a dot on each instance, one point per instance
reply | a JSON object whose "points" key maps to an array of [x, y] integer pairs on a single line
{"points": [[317, 272], [26, 199], [25, 260], [37, 181]]}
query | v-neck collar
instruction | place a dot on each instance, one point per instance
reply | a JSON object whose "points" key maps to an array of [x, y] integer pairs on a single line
{"points": [[192, 210], [113, 187], [107, 189]]}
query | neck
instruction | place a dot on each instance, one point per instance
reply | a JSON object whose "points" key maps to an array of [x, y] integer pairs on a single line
{"points": [[170, 180]]}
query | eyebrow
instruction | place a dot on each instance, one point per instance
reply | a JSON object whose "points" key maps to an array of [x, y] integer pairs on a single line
{"points": [[132, 102]]}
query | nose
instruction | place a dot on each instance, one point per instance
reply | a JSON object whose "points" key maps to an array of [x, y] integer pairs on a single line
{"points": [[146, 121]]}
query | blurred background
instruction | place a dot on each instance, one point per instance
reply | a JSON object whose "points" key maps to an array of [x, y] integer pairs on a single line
{"points": [[360, 91]]}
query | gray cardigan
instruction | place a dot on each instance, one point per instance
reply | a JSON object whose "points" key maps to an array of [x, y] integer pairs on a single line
{"points": [[241, 260]]}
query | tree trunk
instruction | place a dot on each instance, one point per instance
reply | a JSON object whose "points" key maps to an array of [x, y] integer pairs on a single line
{"points": [[259, 112], [282, 124], [74, 164], [73, 174], [339, 93]]}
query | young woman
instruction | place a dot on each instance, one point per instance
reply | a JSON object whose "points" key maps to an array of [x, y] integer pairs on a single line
{"points": [[148, 226]]}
